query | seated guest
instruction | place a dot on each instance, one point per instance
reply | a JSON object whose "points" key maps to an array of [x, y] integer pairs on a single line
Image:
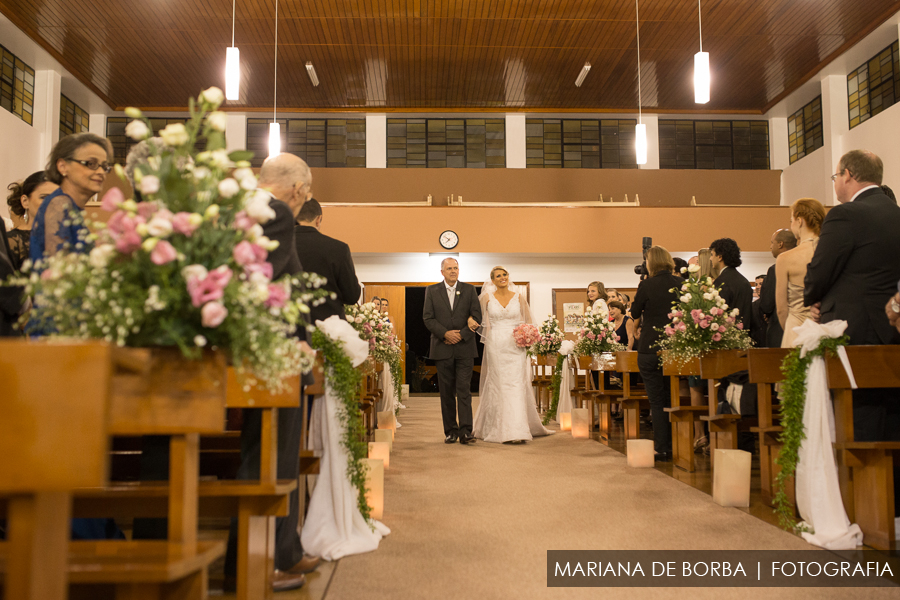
{"points": [[327, 257], [680, 263], [596, 295], [24, 200], [807, 215], [623, 322], [725, 257]]}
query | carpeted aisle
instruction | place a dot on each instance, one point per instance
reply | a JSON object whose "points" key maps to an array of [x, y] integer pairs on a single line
{"points": [[476, 521]]}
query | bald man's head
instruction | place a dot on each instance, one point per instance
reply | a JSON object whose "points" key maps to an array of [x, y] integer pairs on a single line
{"points": [[289, 179]]}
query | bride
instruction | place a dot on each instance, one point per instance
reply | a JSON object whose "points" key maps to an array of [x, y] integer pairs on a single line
{"points": [[506, 412]]}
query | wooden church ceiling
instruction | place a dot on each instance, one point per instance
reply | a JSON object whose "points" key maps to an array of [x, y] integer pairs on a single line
{"points": [[448, 55]]}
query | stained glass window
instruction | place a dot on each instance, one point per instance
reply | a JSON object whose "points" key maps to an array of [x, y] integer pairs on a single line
{"points": [[805, 132], [685, 144], [320, 142], [72, 118], [446, 143], [16, 86], [874, 85], [580, 143]]}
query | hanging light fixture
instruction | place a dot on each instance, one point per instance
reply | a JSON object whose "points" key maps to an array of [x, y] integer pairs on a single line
{"points": [[274, 127], [701, 67], [232, 64], [640, 130]]}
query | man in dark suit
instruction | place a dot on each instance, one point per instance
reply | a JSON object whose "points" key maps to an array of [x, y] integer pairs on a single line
{"points": [[327, 257], [725, 256], [449, 305], [288, 181], [11, 299], [854, 273], [782, 241]]}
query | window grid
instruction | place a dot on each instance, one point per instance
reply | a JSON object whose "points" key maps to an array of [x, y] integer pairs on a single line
{"points": [[580, 144], [16, 86], [72, 118], [805, 133], [122, 144], [720, 145], [446, 143], [874, 86], [320, 142]]}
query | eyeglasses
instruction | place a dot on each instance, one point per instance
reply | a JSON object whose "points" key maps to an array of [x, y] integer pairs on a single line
{"points": [[93, 164], [836, 175]]}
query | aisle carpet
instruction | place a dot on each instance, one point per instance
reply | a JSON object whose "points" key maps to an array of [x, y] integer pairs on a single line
{"points": [[476, 521]]}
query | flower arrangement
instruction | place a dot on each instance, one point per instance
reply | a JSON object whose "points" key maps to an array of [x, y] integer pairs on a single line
{"points": [[187, 266], [526, 335], [374, 327], [597, 334], [551, 338], [701, 322]]}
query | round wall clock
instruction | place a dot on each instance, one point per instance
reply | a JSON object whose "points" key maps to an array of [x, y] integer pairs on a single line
{"points": [[449, 239]]}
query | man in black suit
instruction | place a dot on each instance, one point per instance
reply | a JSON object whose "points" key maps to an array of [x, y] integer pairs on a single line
{"points": [[11, 299], [854, 273], [449, 305], [329, 258], [288, 181], [725, 257], [782, 241]]}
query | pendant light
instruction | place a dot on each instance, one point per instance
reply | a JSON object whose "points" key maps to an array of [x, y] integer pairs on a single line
{"points": [[701, 67], [274, 128], [232, 64], [640, 130]]}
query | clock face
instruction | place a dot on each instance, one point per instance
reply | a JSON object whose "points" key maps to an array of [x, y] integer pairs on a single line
{"points": [[449, 239]]}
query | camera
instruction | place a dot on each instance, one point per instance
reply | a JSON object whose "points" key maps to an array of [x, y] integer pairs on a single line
{"points": [[641, 269]]}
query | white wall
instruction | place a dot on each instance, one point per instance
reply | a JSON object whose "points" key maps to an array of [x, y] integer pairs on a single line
{"points": [[19, 154], [543, 271]]}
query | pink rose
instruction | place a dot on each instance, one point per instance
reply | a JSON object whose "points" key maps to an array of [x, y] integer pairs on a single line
{"points": [[740, 325], [210, 287], [213, 313], [246, 253], [181, 223], [704, 323], [128, 242], [112, 199], [696, 314], [115, 223], [681, 326], [264, 268], [163, 253], [716, 337], [148, 209], [669, 330], [243, 221], [278, 296], [729, 320]]}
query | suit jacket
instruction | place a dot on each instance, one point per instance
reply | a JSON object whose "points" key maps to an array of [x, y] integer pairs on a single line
{"points": [[855, 268], [331, 259], [652, 304], [440, 318], [10, 297], [284, 258], [767, 308], [736, 291]]}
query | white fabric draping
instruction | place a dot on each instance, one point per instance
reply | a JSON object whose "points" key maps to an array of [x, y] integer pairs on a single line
{"points": [[389, 400], [818, 490], [565, 386]]}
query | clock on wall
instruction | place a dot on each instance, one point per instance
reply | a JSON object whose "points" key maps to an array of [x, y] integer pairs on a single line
{"points": [[449, 240]]}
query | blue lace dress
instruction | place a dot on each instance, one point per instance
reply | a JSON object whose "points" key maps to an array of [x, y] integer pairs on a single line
{"points": [[64, 220]]}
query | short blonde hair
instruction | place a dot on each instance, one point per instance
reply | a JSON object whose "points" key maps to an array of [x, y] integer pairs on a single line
{"points": [[659, 260]]}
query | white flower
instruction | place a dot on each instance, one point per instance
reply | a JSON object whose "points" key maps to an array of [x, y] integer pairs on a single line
{"points": [[218, 158], [693, 268], [228, 187], [199, 341], [264, 242], [242, 173], [683, 269], [134, 113], [255, 232], [707, 296], [714, 326], [735, 312], [159, 227], [137, 130], [201, 173], [194, 272], [249, 183], [217, 120], [212, 95], [258, 207], [686, 298], [174, 134], [149, 184], [101, 255]]}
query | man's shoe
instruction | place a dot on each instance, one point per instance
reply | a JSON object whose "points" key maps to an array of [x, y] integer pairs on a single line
{"points": [[662, 457], [451, 439], [307, 565], [283, 581], [467, 439]]}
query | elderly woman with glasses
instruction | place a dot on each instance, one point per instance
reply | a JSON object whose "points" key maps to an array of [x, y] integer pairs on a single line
{"points": [[79, 164]]}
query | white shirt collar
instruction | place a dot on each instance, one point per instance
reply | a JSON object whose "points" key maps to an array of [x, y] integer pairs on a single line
{"points": [[450, 287], [868, 187]]}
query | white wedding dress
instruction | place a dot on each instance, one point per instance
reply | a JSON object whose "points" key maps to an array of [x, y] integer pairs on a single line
{"points": [[506, 411]]}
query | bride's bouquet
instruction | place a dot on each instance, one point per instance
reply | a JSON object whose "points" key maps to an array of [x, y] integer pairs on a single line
{"points": [[526, 335], [597, 335], [550, 340], [701, 322]]}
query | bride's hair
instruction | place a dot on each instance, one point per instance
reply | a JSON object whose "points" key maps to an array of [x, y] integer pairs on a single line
{"points": [[497, 268]]}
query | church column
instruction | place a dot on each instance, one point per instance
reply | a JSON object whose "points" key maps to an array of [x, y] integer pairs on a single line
{"points": [[779, 155], [376, 141], [835, 125], [236, 132], [515, 141], [47, 90]]}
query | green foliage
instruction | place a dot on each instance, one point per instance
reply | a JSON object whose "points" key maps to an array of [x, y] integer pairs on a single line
{"points": [[344, 380], [555, 384], [793, 399]]}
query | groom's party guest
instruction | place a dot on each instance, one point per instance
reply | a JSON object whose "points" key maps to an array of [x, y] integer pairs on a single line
{"points": [[781, 241], [725, 257], [288, 181], [652, 304], [449, 307], [328, 257]]}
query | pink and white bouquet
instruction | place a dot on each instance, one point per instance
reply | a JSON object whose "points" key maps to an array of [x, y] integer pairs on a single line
{"points": [[701, 321], [551, 338], [526, 335], [186, 267], [597, 334], [375, 328]]}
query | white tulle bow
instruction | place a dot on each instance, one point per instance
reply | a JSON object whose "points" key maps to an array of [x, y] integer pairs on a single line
{"points": [[810, 334], [567, 347], [341, 331]]}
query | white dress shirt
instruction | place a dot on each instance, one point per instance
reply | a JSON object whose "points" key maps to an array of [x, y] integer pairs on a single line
{"points": [[451, 293]]}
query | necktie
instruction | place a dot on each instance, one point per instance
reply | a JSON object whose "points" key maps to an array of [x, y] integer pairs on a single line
{"points": [[451, 295]]}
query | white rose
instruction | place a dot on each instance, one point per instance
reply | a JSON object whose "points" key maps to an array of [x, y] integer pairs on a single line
{"points": [[255, 232], [199, 341], [258, 207], [242, 173], [228, 187], [707, 296], [259, 279], [101, 255], [194, 271], [201, 173], [683, 269], [159, 227], [212, 95], [714, 326], [219, 158], [174, 134], [735, 312], [149, 184], [267, 244], [686, 298], [693, 268], [137, 130], [217, 120], [249, 183]]}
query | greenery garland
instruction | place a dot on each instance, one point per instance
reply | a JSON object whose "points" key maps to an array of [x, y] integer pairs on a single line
{"points": [[397, 378], [793, 399], [555, 384], [344, 381]]}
